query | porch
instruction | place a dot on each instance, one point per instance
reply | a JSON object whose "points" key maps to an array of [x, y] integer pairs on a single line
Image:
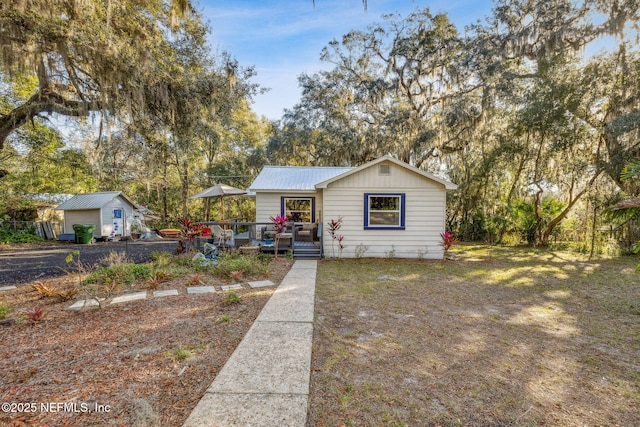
{"points": [[305, 243]]}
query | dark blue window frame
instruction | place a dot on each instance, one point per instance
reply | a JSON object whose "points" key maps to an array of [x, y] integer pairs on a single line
{"points": [[313, 205], [384, 227]]}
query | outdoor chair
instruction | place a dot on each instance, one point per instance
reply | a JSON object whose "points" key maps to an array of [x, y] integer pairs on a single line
{"points": [[307, 233], [224, 237]]}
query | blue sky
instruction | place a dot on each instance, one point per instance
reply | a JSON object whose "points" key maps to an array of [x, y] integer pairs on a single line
{"points": [[283, 38]]}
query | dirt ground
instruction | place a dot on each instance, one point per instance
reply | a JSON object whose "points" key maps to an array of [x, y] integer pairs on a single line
{"points": [[502, 337], [141, 363]]}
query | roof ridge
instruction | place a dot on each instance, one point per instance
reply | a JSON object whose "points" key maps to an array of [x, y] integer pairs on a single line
{"points": [[293, 166]]}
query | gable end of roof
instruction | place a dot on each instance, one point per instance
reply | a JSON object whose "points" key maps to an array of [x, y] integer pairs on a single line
{"points": [[447, 184]]}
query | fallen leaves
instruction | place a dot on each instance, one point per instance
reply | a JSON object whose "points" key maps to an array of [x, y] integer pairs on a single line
{"points": [[116, 356]]}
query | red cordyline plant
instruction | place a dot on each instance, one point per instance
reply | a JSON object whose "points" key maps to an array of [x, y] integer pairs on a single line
{"points": [[333, 226], [190, 230], [280, 225], [340, 246], [448, 240]]}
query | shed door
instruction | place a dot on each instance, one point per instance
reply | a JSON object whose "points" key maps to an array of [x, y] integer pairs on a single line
{"points": [[118, 222]]}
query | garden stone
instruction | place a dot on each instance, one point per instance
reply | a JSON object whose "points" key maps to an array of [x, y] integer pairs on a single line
{"points": [[84, 303], [166, 293], [261, 284], [201, 289], [129, 297]]}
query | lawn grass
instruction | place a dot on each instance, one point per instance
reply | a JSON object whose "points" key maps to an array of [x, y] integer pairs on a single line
{"points": [[502, 336]]}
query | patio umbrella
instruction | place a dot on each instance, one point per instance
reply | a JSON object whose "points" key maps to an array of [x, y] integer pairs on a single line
{"points": [[220, 191]]}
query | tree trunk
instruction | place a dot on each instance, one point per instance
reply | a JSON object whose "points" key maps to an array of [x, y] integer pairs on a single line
{"points": [[184, 181], [544, 241], [593, 232]]}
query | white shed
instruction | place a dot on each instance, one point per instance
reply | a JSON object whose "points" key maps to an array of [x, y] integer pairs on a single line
{"points": [[388, 207], [109, 211]]}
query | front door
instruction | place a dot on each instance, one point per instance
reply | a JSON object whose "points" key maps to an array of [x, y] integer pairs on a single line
{"points": [[118, 222]]}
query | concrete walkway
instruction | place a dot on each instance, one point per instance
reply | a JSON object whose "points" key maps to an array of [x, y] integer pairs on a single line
{"points": [[265, 382]]}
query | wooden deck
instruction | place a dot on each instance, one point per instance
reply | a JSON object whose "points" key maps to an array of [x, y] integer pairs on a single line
{"points": [[250, 234]]}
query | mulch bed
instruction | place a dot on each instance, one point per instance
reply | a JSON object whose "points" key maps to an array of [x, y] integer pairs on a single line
{"points": [[122, 364]]}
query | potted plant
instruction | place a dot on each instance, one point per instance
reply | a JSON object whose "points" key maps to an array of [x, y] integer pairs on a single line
{"points": [[268, 237], [280, 225], [136, 229]]}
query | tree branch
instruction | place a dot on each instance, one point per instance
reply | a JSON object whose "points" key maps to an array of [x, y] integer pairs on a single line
{"points": [[44, 101]]}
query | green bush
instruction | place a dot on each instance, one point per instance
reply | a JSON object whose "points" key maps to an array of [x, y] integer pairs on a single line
{"points": [[233, 298], [8, 236], [4, 310], [121, 273], [227, 263], [161, 259]]}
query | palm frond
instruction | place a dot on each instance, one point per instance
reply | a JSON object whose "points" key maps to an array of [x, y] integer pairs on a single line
{"points": [[631, 170]]}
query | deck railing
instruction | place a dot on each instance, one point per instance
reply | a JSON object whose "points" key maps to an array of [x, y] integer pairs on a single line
{"points": [[250, 232]]}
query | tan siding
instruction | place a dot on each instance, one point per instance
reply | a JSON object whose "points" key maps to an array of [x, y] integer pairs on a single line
{"points": [[267, 205], [399, 178], [90, 216], [101, 218], [424, 214]]}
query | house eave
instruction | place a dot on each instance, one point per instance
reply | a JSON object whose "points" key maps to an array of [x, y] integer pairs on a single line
{"points": [[283, 190]]}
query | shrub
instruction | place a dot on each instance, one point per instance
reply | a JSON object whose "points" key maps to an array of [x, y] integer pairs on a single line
{"points": [[161, 275], [4, 311], [44, 289], [263, 258], [228, 263], [50, 291], [361, 249], [195, 279], [153, 283], [121, 273], [67, 295], [333, 226], [233, 298], [448, 240], [161, 258], [35, 315], [116, 258], [8, 236]]}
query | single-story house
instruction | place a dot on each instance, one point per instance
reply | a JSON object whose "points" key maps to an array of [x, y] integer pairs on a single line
{"points": [[387, 207], [109, 211]]}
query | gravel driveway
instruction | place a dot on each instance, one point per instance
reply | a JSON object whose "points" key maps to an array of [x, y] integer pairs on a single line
{"points": [[23, 264]]}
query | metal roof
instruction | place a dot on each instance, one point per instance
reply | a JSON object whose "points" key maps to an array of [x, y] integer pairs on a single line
{"points": [[298, 178], [92, 201]]}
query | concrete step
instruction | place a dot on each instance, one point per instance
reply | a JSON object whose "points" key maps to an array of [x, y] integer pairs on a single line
{"points": [[316, 257], [307, 252]]}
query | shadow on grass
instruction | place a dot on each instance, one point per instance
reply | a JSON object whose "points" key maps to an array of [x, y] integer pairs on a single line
{"points": [[500, 337]]}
